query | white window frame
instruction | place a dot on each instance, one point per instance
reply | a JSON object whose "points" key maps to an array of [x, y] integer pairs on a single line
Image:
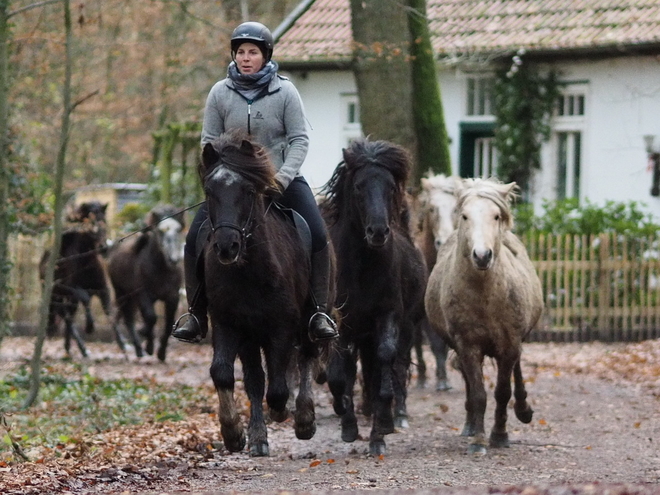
{"points": [[570, 124]]}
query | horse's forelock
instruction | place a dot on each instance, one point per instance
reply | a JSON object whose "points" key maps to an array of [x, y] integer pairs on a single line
{"points": [[251, 162], [497, 192]]}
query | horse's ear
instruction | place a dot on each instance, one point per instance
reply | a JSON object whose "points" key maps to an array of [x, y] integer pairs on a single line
{"points": [[510, 191], [210, 156], [104, 207], [247, 147], [345, 154]]}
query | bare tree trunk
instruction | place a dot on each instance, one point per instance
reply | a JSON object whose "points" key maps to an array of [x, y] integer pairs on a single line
{"points": [[35, 378], [4, 172], [429, 118], [382, 70]]}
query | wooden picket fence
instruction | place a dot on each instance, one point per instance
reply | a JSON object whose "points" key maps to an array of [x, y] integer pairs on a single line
{"points": [[604, 287]]}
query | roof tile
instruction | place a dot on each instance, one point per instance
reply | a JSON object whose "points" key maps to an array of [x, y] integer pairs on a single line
{"points": [[323, 32]]}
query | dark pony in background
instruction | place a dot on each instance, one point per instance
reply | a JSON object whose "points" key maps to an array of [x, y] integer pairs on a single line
{"points": [[380, 287], [145, 269], [79, 272], [257, 276]]}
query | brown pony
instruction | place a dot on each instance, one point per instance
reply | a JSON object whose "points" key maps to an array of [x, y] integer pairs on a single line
{"points": [[484, 297], [145, 269]]}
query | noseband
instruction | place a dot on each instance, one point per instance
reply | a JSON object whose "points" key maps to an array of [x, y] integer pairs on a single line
{"points": [[244, 231]]}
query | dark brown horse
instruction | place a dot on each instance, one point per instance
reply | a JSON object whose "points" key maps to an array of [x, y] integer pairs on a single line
{"points": [[380, 287], [79, 272], [145, 269], [257, 276]]}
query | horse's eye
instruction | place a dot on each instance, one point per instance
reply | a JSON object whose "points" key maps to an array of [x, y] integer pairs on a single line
{"points": [[464, 217], [497, 218]]}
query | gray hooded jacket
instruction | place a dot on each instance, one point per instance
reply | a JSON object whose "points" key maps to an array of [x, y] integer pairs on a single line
{"points": [[276, 120]]}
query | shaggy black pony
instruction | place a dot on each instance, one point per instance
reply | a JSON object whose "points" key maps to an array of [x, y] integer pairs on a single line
{"points": [[380, 287], [258, 288], [79, 272]]}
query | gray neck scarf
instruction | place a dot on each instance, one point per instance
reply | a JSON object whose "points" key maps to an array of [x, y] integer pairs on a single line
{"points": [[252, 85]]}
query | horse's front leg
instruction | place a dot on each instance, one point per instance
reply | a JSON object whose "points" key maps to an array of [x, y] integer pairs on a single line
{"points": [[471, 362], [440, 350], [401, 373], [149, 318], [342, 372], [498, 435], [85, 299], [382, 381], [523, 410], [170, 314], [255, 379], [72, 332], [225, 349], [305, 417]]}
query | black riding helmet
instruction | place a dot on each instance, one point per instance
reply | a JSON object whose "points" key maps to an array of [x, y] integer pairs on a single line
{"points": [[253, 32]]}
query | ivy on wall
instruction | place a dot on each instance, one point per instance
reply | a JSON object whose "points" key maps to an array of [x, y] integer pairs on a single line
{"points": [[524, 101]]}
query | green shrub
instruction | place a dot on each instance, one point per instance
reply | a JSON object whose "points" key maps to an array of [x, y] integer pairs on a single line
{"points": [[569, 217]]}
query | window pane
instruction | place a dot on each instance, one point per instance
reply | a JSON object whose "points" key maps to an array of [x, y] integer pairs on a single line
{"points": [[576, 164], [562, 144], [470, 97], [580, 105], [560, 105]]}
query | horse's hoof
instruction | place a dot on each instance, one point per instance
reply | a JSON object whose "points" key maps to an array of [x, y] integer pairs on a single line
{"points": [[442, 386], [377, 447], [349, 431], [161, 355], [524, 414], [149, 349], [305, 432], [279, 416], [401, 422], [234, 439], [499, 440], [259, 449], [476, 449]]}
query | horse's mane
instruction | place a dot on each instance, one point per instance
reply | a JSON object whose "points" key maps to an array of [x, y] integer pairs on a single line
{"points": [[442, 182], [361, 153], [239, 153], [499, 193]]}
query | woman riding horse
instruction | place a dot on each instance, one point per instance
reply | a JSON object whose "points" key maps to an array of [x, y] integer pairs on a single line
{"points": [[254, 97]]}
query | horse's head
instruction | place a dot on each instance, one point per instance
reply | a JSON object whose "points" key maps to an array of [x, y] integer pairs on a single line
{"points": [[369, 188], [236, 173], [484, 217], [90, 216], [438, 203], [168, 224]]}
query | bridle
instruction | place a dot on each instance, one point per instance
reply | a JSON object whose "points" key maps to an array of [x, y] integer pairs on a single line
{"points": [[245, 231]]}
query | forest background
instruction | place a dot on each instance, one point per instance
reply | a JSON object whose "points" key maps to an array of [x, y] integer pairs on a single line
{"points": [[137, 66]]}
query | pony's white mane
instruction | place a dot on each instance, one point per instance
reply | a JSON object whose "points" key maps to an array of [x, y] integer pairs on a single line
{"points": [[499, 193], [440, 182]]}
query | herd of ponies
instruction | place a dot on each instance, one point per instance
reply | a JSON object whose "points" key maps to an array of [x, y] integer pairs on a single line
{"points": [[441, 265]]}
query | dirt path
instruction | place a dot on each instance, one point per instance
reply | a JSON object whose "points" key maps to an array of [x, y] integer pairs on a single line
{"points": [[596, 426]]}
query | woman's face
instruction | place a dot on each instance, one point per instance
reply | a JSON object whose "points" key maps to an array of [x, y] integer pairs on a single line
{"points": [[249, 58]]}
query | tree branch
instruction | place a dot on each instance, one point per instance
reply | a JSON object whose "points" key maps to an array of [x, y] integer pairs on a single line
{"points": [[83, 99], [31, 6]]}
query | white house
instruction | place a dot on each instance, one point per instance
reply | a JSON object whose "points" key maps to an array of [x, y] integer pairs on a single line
{"points": [[607, 53]]}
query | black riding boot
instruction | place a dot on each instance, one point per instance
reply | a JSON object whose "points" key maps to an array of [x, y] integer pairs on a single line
{"points": [[195, 327], [321, 326]]}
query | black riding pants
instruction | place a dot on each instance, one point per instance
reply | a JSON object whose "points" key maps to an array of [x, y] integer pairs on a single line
{"points": [[298, 196]]}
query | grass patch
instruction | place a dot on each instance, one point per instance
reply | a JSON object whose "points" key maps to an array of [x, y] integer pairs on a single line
{"points": [[72, 407]]}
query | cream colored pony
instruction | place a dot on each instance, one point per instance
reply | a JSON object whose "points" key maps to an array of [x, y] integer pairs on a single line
{"points": [[483, 298], [434, 223]]}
